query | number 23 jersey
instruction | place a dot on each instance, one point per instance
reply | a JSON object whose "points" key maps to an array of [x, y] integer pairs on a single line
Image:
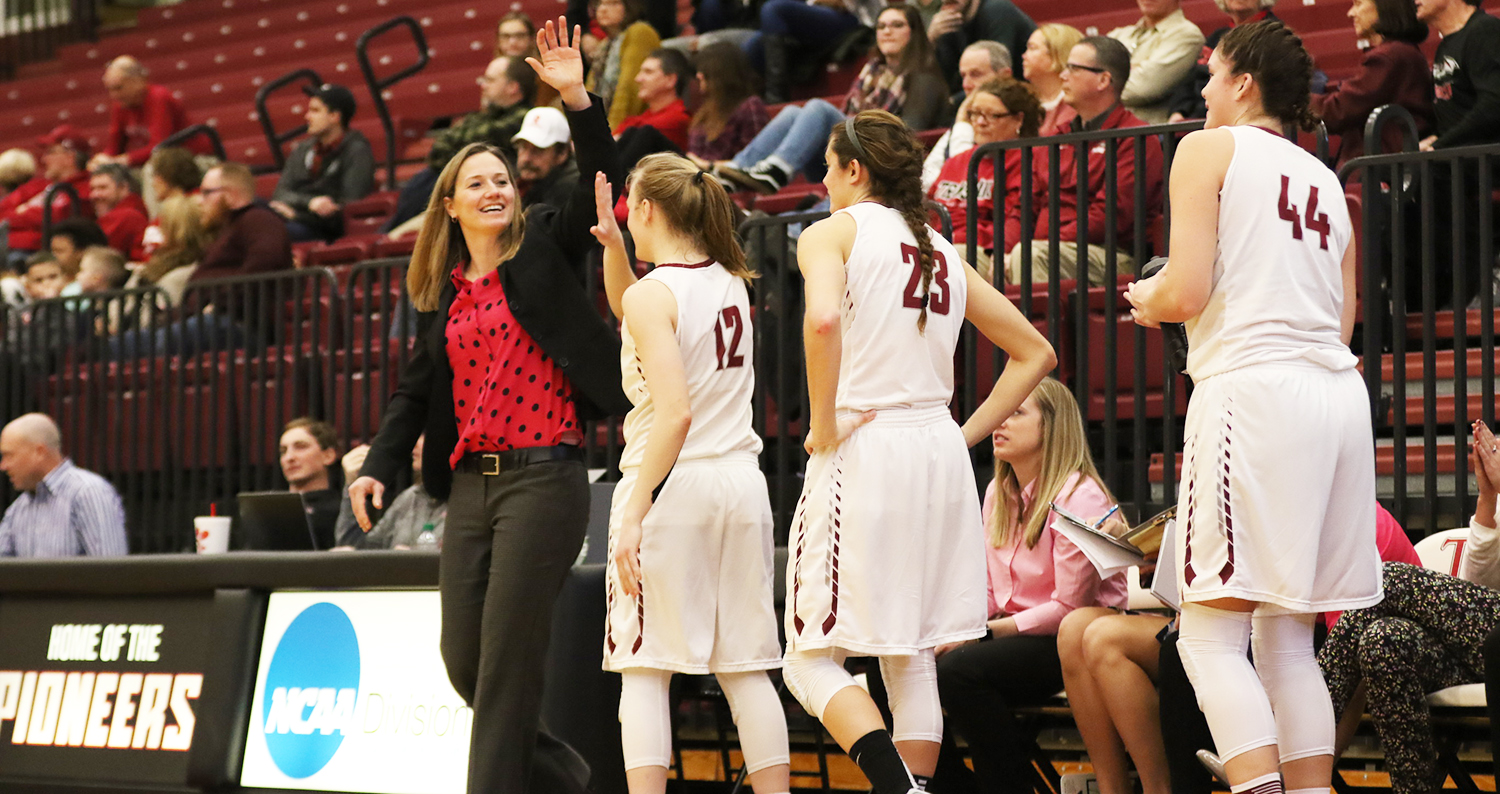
{"points": [[886, 362], [1278, 287], [716, 341]]}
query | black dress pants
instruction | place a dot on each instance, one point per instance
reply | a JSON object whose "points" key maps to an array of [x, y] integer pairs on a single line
{"points": [[979, 684], [509, 543]]}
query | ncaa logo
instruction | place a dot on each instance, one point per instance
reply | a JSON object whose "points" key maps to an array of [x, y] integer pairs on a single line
{"points": [[310, 690]]}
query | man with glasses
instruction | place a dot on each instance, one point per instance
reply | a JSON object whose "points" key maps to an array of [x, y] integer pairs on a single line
{"points": [[1164, 46], [1097, 70], [507, 89]]}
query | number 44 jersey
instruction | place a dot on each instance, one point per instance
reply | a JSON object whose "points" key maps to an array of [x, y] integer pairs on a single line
{"points": [[1278, 289], [716, 342], [887, 362]]}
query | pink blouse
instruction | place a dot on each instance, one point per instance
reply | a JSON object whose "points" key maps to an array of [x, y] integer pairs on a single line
{"points": [[1039, 586]]}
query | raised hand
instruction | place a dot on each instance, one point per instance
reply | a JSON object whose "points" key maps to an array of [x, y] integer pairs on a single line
{"points": [[559, 63], [607, 230]]}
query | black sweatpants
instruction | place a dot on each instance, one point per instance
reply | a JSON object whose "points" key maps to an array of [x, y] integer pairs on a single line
{"points": [[508, 545], [979, 684]]}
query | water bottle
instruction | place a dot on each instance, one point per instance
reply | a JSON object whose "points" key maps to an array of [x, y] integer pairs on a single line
{"points": [[427, 538]]}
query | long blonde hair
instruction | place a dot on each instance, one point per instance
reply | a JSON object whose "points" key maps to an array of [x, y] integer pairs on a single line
{"points": [[440, 244], [185, 239], [695, 206], [1065, 452]]}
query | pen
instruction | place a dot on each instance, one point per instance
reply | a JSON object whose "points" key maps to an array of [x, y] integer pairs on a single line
{"points": [[1111, 512]]}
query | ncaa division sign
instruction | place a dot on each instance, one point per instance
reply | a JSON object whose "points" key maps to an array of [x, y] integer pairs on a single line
{"points": [[351, 695]]}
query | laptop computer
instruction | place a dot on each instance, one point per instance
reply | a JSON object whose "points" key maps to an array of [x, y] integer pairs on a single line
{"points": [[273, 521]]}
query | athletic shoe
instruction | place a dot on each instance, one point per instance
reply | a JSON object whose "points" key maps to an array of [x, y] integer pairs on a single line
{"points": [[762, 177], [1214, 766]]}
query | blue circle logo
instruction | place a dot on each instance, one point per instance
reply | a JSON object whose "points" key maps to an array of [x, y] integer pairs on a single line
{"points": [[310, 690]]}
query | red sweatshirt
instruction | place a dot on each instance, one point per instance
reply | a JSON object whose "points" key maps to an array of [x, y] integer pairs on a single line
{"points": [[1126, 173], [23, 208], [136, 130], [124, 226]]}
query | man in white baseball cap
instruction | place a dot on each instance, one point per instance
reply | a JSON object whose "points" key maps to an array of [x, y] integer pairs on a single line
{"points": [[546, 170]]}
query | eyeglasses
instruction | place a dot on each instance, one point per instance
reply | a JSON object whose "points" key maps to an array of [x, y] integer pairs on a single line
{"points": [[1081, 68], [977, 115]]}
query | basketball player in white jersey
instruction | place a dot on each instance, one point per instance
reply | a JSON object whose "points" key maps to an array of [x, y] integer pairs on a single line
{"points": [[690, 578], [886, 549], [1278, 497]]}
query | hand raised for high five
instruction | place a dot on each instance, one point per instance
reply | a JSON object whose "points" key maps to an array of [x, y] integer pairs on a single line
{"points": [[607, 230], [559, 63]]}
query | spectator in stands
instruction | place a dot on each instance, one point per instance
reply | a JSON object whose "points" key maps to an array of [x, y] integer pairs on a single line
{"points": [[980, 62], [546, 172], [731, 112], [1186, 99], [515, 37], [1466, 73], [1097, 69], [142, 114], [1042, 65], [661, 83], [307, 450], [248, 238], [1163, 46], [63, 511], [1392, 71], [331, 167], [999, 109], [45, 278], [961, 23], [119, 210], [507, 90], [615, 60], [785, 24], [67, 240], [64, 153], [1036, 577], [901, 77], [17, 167], [183, 243], [412, 512], [102, 269], [173, 171]]}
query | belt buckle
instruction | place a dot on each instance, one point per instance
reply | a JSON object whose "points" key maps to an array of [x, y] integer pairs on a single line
{"points": [[491, 465]]}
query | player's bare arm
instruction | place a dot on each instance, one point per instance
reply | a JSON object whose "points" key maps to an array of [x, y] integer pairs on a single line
{"points": [[1031, 357], [822, 251], [651, 312], [619, 271], [1180, 291]]}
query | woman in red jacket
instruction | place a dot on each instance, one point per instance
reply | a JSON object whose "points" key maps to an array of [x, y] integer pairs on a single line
{"points": [[1393, 71], [1003, 109]]}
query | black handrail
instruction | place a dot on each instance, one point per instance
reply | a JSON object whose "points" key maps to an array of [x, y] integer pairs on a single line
{"points": [[274, 139], [1390, 114], [188, 133], [378, 86], [49, 195]]}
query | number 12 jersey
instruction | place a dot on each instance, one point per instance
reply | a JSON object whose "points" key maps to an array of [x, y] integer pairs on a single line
{"points": [[886, 362], [715, 337], [1278, 285]]}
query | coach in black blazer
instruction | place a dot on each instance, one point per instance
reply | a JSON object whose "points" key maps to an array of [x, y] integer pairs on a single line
{"points": [[518, 501]]}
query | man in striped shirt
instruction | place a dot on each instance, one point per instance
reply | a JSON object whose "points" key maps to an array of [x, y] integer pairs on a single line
{"points": [[63, 511]]}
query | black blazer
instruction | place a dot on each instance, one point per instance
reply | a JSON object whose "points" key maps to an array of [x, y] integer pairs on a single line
{"points": [[544, 284]]}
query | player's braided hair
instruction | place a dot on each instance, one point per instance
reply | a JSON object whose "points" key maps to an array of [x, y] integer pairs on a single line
{"points": [[1273, 55], [694, 205], [893, 156]]}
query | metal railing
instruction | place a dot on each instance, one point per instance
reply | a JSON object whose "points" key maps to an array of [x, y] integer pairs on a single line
{"points": [[75, 204], [377, 86], [277, 140], [33, 31], [182, 136]]}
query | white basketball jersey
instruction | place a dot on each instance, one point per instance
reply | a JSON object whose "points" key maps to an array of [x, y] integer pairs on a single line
{"points": [[718, 357], [886, 361], [1278, 287]]}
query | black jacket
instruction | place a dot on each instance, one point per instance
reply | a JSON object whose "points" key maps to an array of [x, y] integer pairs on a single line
{"points": [[544, 284]]}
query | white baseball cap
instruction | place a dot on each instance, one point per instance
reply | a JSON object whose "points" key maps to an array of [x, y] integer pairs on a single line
{"points": [[544, 127]]}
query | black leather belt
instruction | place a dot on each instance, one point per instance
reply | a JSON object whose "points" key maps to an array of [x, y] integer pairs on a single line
{"points": [[492, 463]]}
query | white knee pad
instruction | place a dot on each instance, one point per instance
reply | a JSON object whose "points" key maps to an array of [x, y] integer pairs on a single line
{"points": [[645, 721], [758, 717], [911, 687], [1212, 644], [1288, 668], [814, 677]]}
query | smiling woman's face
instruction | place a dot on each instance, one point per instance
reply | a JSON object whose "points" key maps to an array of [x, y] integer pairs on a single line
{"points": [[484, 197]]}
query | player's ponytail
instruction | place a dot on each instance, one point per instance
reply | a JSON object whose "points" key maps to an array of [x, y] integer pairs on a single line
{"points": [[1274, 57], [695, 206], [892, 156]]}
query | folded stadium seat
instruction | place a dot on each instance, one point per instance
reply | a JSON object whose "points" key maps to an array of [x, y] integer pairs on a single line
{"points": [[789, 198], [1124, 351], [341, 252], [388, 248], [929, 138], [379, 204]]}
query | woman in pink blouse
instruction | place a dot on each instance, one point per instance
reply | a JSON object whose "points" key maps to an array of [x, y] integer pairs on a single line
{"points": [[1036, 577]]}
